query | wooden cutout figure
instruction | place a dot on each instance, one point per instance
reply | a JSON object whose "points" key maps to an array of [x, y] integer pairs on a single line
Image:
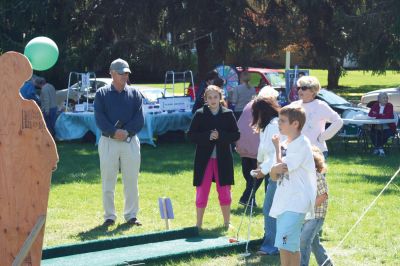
{"points": [[28, 155]]}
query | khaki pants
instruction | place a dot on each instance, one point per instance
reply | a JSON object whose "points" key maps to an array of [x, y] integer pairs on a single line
{"points": [[115, 155]]}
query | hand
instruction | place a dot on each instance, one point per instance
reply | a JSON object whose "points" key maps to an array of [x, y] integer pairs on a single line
{"points": [[121, 134], [280, 168], [214, 135], [259, 174], [275, 140]]}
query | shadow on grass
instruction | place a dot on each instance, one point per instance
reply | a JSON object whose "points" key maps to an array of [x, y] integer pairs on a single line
{"points": [[168, 158], [79, 162], [240, 211], [214, 232], [101, 230]]}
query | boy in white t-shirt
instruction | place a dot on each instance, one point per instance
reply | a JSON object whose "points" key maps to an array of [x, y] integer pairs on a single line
{"points": [[296, 185]]}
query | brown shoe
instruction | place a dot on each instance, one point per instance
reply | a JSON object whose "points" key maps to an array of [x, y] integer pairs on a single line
{"points": [[134, 221]]}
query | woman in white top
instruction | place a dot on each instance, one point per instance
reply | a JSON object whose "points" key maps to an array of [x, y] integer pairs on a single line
{"points": [[318, 113], [265, 120]]}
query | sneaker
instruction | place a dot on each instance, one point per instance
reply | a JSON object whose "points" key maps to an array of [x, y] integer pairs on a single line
{"points": [[261, 253], [375, 152], [228, 226], [134, 221], [264, 253], [108, 222], [245, 204], [381, 153]]}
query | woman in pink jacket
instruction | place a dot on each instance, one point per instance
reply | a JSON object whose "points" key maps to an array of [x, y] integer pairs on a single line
{"points": [[381, 133]]}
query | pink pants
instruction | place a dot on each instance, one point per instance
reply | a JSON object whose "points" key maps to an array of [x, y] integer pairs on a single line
{"points": [[202, 191]]}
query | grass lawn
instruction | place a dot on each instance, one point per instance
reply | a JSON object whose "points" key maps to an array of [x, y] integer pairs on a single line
{"points": [[355, 179], [355, 83]]}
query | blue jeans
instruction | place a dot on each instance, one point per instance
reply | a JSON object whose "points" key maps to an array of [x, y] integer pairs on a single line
{"points": [[269, 222], [309, 241]]}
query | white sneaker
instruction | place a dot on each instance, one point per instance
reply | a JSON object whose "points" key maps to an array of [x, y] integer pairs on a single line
{"points": [[381, 152], [375, 152]]}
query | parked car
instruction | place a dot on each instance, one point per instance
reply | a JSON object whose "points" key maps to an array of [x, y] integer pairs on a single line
{"points": [[339, 104], [369, 98], [260, 77], [77, 93], [150, 94]]}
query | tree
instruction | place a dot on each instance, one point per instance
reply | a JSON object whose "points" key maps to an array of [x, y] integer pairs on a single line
{"points": [[210, 24], [375, 33]]}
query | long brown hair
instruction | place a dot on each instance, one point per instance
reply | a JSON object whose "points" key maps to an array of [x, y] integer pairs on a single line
{"points": [[264, 109]]}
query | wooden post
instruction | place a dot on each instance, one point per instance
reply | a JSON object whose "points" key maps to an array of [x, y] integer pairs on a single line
{"points": [[287, 64]]}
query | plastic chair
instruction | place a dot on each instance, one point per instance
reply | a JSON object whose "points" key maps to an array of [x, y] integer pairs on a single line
{"points": [[353, 132], [395, 139]]}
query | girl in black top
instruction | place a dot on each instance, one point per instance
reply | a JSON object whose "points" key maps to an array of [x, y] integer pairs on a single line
{"points": [[213, 129]]}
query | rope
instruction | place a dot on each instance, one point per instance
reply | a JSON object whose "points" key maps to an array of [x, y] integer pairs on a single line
{"points": [[362, 215]]}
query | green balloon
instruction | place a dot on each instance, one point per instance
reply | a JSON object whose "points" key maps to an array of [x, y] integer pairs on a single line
{"points": [[42, 52]]}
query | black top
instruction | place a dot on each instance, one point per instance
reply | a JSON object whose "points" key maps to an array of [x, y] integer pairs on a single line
{"points": [[200, 129]]}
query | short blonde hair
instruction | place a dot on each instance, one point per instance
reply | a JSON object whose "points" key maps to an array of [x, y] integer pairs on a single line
{"points": [[294, 113], [268, 91], [310, 82]]}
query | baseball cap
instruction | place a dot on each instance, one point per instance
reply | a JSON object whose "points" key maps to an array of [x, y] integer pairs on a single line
{"points": [[120, 66]]}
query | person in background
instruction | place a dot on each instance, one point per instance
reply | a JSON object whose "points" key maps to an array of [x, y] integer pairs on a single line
{"points": [[242, 94], [48, 103], [28, 90], [309, 240], [213, 129], [247, 145], [265, 120], [318, 114], [119, 115], [379, 136], [209, 80], [219, 82], [293, 95]]}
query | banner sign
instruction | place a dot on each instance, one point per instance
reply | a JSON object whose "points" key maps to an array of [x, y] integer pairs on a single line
{"points": [[180, 103]]}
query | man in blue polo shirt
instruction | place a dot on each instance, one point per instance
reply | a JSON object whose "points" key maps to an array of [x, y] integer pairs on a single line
{"points": [[28, 90], [119, 115]]}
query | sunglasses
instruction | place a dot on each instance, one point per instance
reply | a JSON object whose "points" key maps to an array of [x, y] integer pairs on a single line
{"points": [[303, 88]]}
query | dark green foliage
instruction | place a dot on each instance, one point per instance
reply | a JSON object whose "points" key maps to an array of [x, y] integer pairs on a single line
{"points": [[91, 33]]}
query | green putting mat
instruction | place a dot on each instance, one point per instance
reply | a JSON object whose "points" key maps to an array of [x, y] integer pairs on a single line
{"points": [[140, 248]]}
